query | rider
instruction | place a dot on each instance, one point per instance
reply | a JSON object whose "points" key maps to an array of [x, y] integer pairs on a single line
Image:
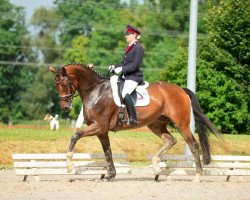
{"points": [[130, 69]]}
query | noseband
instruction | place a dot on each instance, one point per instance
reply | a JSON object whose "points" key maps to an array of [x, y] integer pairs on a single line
{"points": [[68, 97]]}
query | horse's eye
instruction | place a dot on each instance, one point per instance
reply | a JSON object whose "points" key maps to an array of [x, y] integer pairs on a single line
{"points": [[64, 84], [57, 79]]}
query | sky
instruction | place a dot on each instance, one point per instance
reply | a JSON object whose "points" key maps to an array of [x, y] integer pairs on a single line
{"points": [[31, 5]]}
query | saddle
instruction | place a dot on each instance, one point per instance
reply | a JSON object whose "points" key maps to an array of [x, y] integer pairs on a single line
{"points": [[134, 95], [139, 97]]}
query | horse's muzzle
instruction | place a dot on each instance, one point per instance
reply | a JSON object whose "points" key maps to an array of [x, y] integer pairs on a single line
{"points": [[66, 104], [66, 108]]}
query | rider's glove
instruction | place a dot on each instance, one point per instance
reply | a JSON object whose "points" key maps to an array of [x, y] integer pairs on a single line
{"points": [[118, 70], [111, 68]]}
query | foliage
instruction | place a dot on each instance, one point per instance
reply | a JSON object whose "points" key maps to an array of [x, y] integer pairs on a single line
{"points": [[169, 48], [222, 78], [223, 95], [79, 50], [46, 23], [104, 26], [82, 15], [13, 79], [43, 94], [228, 25], [77, 102], [231, 33]]}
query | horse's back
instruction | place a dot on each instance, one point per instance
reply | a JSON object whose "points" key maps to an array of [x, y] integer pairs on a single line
{"points": [[172, 98], [166, 88]]}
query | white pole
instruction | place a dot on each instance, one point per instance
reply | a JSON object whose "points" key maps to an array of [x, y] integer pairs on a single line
{"points": [[191, 78]]}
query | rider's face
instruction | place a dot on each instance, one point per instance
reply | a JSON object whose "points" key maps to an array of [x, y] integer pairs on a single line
{"points": [[130, 37]]}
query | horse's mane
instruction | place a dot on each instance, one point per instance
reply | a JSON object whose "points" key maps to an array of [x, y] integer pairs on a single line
{"points": [[86, 67]]}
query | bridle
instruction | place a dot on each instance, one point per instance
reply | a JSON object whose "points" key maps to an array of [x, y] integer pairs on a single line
{"points": [[68, 97]]}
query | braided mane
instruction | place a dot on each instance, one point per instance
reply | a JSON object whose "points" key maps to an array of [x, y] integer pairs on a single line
{"points": [[87, 67]]}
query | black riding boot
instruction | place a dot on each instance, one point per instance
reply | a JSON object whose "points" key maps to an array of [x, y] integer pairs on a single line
{"points": [[131, 110]]}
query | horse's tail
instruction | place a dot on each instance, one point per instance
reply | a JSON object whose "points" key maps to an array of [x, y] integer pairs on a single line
{"points": [[203, 125]]}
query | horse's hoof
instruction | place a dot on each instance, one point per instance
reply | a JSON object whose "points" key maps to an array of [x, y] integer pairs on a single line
{"points": [[197, 178], [108, 179], [157, 169], [70, 167]]}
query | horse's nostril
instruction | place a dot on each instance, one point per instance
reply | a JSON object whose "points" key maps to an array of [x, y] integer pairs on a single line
{"points": [[66, 108]]}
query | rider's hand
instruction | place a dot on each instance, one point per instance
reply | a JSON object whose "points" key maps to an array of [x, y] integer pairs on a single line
{"points": [[118, 70], [111, 68], [91, 65]]}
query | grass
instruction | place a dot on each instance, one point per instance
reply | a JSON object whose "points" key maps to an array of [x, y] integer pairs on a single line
{"points": [[137, 143]]}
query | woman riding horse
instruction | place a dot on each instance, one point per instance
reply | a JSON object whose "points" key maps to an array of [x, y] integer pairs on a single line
{"points": [[168, 104], [130, 69]]}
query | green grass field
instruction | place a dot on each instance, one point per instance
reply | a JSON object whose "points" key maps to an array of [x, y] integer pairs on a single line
{"points": [[137, 143]]}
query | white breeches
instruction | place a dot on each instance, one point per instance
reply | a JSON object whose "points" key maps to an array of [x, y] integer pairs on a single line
{"points": [[129, 87]]}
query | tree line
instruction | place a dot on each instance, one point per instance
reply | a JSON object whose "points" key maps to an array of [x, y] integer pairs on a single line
{"points": [[93, 31]]}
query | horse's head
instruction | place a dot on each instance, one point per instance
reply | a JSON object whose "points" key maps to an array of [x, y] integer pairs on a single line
{"points": [[65, 86]]}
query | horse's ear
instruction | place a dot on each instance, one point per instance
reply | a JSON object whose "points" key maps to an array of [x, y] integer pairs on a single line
{"points": [[64, 73], [52, 70]]}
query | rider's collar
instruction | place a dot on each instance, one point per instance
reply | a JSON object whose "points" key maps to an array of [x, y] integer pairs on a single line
{"points": [[133, 43]]}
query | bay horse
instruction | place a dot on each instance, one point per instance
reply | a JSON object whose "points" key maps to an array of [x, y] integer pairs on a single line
{"points": [[169, 103]]}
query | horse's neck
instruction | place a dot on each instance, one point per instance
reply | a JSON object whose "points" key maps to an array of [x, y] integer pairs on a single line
{"points": [[88, 81], [97, 95]]}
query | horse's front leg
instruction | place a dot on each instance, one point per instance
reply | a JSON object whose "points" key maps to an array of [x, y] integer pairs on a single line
{"points": [[92, 129], [104, 139]]}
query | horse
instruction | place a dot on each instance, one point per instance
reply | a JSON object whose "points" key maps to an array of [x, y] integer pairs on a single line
{"points": [[169, 103]]}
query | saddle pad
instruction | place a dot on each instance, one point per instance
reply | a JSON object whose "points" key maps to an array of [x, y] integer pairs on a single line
{"points": [[142, 93]]}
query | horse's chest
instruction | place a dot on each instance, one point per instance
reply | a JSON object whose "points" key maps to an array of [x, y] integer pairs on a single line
{"points": [[93, 99], [97, 102]]}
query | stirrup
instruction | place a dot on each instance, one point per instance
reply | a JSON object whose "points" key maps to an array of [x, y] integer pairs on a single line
{"points": [[132, 122]]}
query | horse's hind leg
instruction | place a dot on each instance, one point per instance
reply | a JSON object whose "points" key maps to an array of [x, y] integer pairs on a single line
{"points": [[159, 128], [194, 148]]}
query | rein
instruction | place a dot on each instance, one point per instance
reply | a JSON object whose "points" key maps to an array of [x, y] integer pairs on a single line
{"points": [[71, 94], [63, 76]]}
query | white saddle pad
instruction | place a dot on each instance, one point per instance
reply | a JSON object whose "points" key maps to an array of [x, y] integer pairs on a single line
{"points": [[142, 93]]}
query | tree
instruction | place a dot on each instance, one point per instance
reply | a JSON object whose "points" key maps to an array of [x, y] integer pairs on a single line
{"points": [[159, 57], [79, 50], [79, 16], [13, 78], [222, 78], [41, 96], [46, 22], [102, 44], [228, 25]]}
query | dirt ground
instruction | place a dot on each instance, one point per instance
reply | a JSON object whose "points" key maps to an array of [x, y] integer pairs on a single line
{"points": [[138, 185]]}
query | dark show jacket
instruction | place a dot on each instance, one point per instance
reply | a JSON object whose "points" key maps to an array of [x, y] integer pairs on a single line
{"points": [[131, 62]]}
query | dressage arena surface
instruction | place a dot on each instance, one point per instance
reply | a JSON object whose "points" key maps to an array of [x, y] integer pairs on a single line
{"points": [[138, 185]]}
